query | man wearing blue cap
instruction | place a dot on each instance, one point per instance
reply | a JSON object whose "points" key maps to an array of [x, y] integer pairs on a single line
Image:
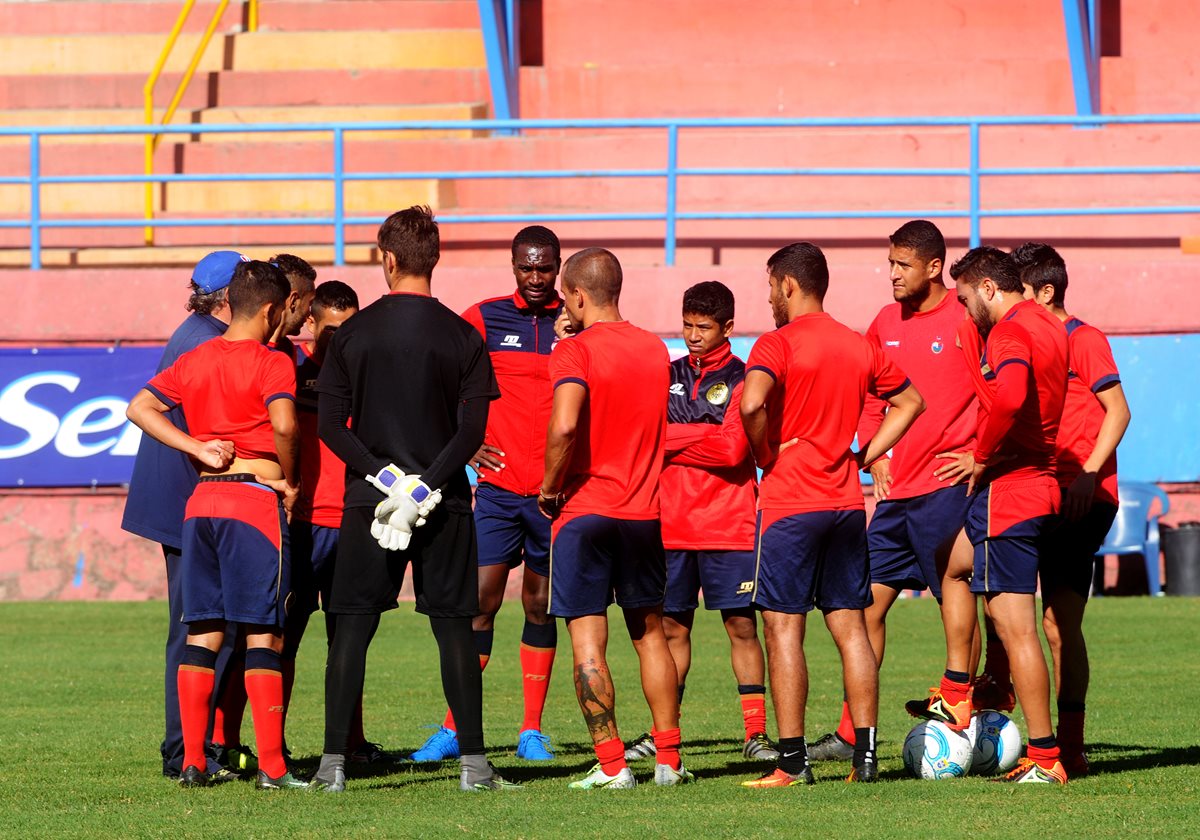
{"points": [[164, 478]]}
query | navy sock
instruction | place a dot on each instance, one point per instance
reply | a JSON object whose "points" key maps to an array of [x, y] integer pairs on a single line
{"points": [[957, 676], [483, 641], [1046, 743], [263, 659], [540, 635], [751, 689], [199, 657]]}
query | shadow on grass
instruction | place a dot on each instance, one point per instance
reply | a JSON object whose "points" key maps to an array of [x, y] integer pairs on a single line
{"points": [[1120, 758]]}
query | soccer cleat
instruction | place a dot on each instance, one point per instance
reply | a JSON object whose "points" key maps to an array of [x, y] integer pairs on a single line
{"points": [[193, 777], [238, 758], [222, 776], [865, 771], [285, 782], [830, 747], [337, 785], [641, 747], [1075, 762], [597, 779], [1029, 771], [758, 747], [368, 753], [493, 782], [777, 778], [534, 746], [665, 775], [986, 693], [957, 716], [442, 745]]}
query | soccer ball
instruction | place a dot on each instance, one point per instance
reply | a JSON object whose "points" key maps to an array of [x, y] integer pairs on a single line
{"points": [[997, 743], [933, 750]]}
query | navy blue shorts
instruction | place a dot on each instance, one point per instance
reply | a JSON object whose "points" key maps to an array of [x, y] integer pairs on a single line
{"points": [[1007, 548], [812, 559], [727, 578], [235, 562], [597, 559], [511, 530], [314, 550], [905, 535], [1069, 550]]}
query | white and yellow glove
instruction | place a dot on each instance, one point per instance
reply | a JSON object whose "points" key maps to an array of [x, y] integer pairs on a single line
{"points": [[409, 501]]}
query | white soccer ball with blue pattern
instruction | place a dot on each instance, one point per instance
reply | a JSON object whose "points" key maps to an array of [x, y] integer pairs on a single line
{"points": [[933, 750], [997, 743]]}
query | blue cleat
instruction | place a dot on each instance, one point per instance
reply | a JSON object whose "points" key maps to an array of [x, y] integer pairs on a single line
{"points": [[534, 746], [442, 745]]}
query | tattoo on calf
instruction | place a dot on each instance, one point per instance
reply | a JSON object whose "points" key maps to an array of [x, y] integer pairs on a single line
{"points": [[597, 699]]}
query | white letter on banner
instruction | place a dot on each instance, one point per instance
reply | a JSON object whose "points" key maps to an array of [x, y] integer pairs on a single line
{"points": [[76, 423], [38, 423]]}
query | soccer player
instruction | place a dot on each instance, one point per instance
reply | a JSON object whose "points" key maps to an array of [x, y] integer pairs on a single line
{"points": [[604, 454], [709, 494], [1094, 419], [414, 381], [163, 479], [238, 399], [318, 513], [519, 332], [1015, 496], [302, 278], [917, 517], [805, 387]]}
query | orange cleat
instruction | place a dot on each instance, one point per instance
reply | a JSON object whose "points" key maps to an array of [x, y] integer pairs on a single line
{"points": [[778, 778]]}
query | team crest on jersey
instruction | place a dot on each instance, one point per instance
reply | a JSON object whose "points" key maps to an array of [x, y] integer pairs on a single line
{"points": [[937, 345], [677, 389], [717, 394]]}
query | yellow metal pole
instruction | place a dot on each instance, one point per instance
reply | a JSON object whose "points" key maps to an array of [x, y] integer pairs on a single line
{"points": [[252, 23], [151, 140], [195, 62]]}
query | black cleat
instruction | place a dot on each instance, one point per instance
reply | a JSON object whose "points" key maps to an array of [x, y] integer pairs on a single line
{"points": [[193, 777], [865, 771], [285, 782], [830, 747]]}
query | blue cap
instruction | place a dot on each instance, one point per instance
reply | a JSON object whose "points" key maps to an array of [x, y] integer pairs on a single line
{"points": [[215, 271]]}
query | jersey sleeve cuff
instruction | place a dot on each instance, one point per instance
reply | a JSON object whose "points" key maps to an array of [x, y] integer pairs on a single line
{"points": [[1007, 362], [282, 395], [900, 389], [163, 398], [1105, 381], [574, 379], [765, 370]]}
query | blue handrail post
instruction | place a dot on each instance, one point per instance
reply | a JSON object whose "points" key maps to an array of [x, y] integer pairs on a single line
{"points": [[501, 58], [672, 187], [974, 185], [35, 201], [339, 197], [512, 34], [1082, 24]]}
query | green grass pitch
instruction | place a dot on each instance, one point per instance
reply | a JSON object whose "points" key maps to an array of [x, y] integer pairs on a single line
{"points": [[80, 720]]}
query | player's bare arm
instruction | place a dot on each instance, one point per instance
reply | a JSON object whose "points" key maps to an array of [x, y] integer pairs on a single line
{"points": [[753, 408], [488, 458], [881, 475], [1079, 495], [560, 441], [286, 427], [148, 413], [906, 407]]}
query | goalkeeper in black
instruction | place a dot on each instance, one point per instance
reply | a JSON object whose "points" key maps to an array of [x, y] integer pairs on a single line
{"points": [[403, 401]]}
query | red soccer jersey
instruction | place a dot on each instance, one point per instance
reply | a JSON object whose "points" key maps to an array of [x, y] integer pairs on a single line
{"points": [[1091, 368], [224, 388], [823, 371], [618, 453], [920, 343], [519, 344], [322, 474], [1031, 337]]}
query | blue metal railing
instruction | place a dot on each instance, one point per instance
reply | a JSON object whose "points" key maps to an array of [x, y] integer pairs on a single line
{"points": [[671, 173]]}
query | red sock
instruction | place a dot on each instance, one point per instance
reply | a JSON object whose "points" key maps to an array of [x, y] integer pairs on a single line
{"points": [[611, 754], [666, 744], [754, 713], [264, 687], [1070, 730], [536, 665], [195, 685], [1045, 756], [449, 721], [955, 692], [231, 707], [357, 737], [845, 728]]}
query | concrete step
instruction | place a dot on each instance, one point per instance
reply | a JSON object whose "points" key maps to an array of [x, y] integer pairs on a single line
{"points": [[347, 50], [86, 17], [248, 88]]}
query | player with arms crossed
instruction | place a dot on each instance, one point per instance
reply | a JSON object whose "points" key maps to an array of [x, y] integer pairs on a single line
{"points": [[805, 387], [238, 398], [709, 494], [519, 332], [413, 381], [1094, 419], [604, 454], [1014, 494], [918, 518]]}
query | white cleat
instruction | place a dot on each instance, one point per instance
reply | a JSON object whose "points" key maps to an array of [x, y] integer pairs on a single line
{"points": [[597, 778], [665, 775]]}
